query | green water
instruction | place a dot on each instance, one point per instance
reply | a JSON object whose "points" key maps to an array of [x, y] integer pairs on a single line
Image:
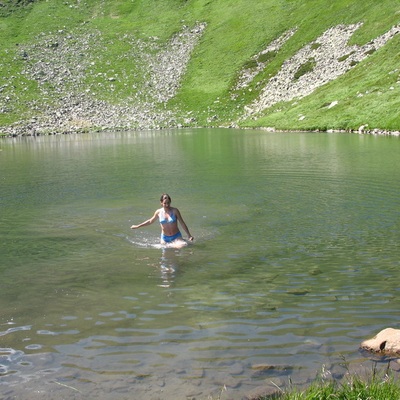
{"points": [[295, 261]]}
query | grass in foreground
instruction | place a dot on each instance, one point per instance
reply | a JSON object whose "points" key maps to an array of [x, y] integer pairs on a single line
{"points": [[375, 387], [357, 390]]}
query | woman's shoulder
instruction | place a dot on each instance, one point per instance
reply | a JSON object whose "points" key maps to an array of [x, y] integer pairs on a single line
{"points": [[175, 210]]}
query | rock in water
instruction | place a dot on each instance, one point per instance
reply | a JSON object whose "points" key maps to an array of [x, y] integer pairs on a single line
{"points": [[386, 341]]}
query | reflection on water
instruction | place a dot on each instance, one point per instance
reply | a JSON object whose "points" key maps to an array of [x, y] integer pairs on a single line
{"points": [[295, 262], [168, 267]]}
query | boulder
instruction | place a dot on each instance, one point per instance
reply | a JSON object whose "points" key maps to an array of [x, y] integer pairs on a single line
{"points": [[386, 341]]}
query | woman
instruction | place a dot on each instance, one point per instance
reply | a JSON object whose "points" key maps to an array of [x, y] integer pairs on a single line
{"points": [[168, 217]]}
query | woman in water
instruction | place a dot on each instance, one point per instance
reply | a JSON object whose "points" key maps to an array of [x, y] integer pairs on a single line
{"points": [[168, 217]]}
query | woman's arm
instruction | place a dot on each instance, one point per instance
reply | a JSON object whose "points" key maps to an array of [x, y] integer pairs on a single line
{"points": [[182, 222], [147, 222]]}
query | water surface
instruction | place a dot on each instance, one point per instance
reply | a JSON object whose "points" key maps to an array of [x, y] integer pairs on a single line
{"points": [[295, 260]]}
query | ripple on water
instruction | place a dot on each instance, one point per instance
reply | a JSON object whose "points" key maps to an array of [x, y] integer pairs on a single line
{"points": [[9, 358], [16, 329], [297, 261]]}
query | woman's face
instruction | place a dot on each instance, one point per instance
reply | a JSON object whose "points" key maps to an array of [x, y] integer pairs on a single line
{"points": [[165, 202]]}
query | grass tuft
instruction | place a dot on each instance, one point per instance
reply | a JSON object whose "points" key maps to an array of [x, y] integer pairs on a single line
{"points": [[305, 68]]}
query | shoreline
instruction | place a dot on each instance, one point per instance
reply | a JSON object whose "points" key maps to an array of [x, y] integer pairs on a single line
{"points": [[11, 132]]}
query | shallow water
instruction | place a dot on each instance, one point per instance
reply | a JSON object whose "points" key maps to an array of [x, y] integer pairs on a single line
{"points": [[295, 261]]}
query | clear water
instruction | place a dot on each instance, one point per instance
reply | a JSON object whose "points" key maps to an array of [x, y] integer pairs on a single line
{"points": [[295, 262]]}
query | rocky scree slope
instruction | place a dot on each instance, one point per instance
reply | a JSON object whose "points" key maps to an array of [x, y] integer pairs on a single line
{"points": [[61, 63], [70, 72]]}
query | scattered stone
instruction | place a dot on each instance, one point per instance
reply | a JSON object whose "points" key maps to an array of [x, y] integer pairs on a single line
{"points": [[262, 392], [333, 57], [362, 128], [268, 370], [60, 64], [269, 367], [222, 380], [333, 104], [250, 72], [298, 292], [315, 271]]}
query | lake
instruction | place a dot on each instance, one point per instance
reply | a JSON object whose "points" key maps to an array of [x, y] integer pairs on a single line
{"points": [[295, 261]]}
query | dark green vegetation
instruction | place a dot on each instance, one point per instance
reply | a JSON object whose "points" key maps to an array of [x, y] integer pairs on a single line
{"points": [[236, 33]]}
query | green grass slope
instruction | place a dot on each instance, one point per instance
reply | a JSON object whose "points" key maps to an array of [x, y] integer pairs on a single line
{"points": [[236, 31]]}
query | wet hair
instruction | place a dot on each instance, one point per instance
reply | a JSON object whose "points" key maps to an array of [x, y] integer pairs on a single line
{"points": [[165, 196]]}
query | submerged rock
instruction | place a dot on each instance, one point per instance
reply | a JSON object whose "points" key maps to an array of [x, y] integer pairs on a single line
{"points": [[266, 391]]}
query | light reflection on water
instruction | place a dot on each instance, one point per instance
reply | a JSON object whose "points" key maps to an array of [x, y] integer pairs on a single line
{"points": [[295, 262]]}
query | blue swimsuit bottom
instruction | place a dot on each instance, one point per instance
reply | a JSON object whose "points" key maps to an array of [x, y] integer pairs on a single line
{"points": [[169, 239]]}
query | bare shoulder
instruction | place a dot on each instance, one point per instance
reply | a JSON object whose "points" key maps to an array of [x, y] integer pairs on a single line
{"points": [[178, 214]]}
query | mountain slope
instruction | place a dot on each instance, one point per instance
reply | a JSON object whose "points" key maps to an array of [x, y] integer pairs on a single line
{"points": [[75, 65]]}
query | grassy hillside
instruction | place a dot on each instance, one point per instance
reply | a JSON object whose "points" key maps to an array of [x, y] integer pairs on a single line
{"points": [[236, 31]]}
